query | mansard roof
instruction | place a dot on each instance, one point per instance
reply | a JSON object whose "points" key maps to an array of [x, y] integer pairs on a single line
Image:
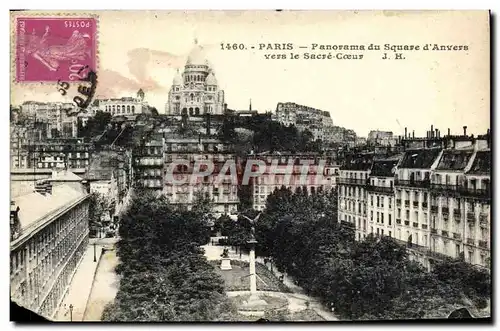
{"points": [[419, 158]]}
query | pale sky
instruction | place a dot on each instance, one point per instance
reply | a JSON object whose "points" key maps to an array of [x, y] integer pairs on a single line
{"points": [[448, 89]]}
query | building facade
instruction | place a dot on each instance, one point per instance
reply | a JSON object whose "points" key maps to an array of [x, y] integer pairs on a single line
{"points": [[290, 113], [181, 156], [352, 192], [195, 92], [439, 195], [380, 189], [49, 235], [59, 153], [126, 106], [148, 164], [293, 171]]}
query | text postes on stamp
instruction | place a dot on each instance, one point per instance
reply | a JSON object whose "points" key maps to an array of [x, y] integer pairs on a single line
{"points": [[52, 49]]}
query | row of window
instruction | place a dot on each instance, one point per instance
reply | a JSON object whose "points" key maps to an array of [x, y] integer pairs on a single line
{"points": [[46, 251], [355, 192], [354, 175], [120, 109]]}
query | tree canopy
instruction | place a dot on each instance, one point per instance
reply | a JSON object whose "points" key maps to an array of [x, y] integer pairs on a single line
{"points": [[164, 275], [369, 279]]}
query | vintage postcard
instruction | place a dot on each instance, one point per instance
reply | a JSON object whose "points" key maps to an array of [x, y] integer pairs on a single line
{"points": [[236, 166]]}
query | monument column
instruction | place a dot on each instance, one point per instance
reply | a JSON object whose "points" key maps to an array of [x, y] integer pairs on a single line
{"points": [[253, 274]]}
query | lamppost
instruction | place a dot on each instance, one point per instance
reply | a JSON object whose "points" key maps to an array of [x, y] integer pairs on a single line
{"points": [[71, 313], [95, 259]]}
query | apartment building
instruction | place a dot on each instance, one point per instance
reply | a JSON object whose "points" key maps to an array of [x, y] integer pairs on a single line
{"points": [[59, 153], [181, 155], [287, 169], [381, 214], [441, 195], [352, 191], [148, 163], [460, 215], [412, 194], [49, 235]]}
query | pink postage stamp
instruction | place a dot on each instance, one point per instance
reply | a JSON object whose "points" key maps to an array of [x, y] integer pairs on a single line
{"points": [[52, 49]]}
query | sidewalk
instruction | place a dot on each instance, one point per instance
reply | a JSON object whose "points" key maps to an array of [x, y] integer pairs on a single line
{"points": [[105, 287], [79, 290]]}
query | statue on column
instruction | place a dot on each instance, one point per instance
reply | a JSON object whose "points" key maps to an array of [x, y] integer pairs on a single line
{"points": [[252, 224]]}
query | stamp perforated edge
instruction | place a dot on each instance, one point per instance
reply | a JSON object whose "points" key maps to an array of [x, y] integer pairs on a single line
{"points": [[46, 14]]}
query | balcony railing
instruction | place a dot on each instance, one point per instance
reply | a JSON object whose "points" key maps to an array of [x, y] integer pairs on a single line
{"points": [[415, 204], [413, 183], [415, 224], [470, 241], [434, 209], [457, 213], [471, 216], [380, 189], [445, 210], [353, 181], [433, 230], [412, 246], [407, 222], [483, 244], [407, 203], [444, 233], [444, 188], [457, 236], [484, 193], [462, 190]]}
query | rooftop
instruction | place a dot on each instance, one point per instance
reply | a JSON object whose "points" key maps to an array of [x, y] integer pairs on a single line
{"points": [[65, 176], [35, 207], [419, 158], [360, 162], [454, 159], [384, 168], [481, 164]]}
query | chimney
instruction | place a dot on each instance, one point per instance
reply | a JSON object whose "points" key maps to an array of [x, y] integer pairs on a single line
{"points": [[432, 131], [44, 187], [406, 130], [465, 130], [449, 132], [439, 134], [413, 134], [436, 136]]}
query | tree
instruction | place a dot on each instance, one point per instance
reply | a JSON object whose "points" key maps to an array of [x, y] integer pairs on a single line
{"points": [[164, 275], [369, 279], [95, 125], [97, 208]]}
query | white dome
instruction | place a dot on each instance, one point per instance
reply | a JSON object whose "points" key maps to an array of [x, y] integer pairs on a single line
{"points": [[211, 80], [177, 78], [197, 56]]}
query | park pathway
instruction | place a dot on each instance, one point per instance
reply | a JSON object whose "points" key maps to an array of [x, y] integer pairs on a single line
{"points": [[297, 299]]}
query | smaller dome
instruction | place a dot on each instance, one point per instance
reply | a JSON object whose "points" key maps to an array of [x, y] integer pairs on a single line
{"points": [[177, 78], [211, 80]]}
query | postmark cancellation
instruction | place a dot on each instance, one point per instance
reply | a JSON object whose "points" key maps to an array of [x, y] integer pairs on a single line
{"points": [[51, 48]]}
